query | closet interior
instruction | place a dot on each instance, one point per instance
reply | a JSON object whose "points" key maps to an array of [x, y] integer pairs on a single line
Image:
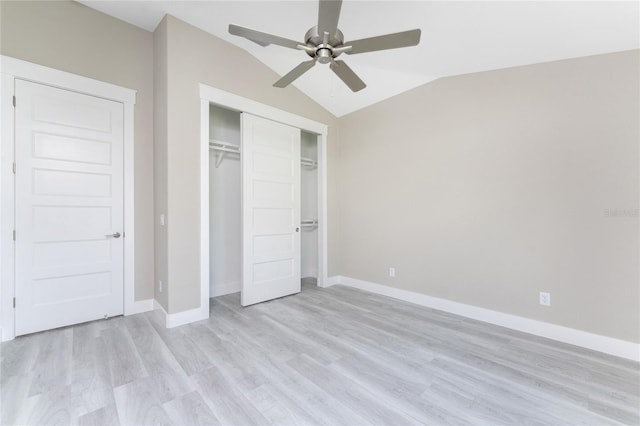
{"points": [[225, 202]]}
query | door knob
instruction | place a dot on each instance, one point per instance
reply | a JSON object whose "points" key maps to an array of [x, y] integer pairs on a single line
{"points": [[297, 229], [114, 235]]}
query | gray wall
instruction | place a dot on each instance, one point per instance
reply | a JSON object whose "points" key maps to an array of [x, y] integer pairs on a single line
{"points": [[194, 57], [71, 37], [488, 188]]}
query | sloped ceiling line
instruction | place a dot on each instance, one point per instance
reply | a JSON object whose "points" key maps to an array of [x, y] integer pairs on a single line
{"points": [[457, 37]]}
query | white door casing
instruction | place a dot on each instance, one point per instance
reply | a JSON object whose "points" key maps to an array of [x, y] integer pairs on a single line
{"points": [[211, 95], [69, 205], [271, 209]]}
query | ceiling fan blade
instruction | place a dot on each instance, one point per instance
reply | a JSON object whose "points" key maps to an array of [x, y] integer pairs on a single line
{"points": [[263, 39], [385, 42], [295, 73], [347, 75], [328, 15]]}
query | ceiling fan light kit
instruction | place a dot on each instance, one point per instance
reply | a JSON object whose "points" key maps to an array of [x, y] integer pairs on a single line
{"points": [[325, 42]]}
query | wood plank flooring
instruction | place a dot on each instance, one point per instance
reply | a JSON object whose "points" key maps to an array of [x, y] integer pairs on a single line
{"points": [[335, 356]]}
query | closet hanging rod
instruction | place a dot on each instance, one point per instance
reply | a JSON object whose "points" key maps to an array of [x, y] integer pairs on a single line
{"points": [[308, 162], [223, 143], [223, 149]]}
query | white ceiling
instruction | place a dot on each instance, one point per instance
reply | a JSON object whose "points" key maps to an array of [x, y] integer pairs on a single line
{"points": [[457, 37]]}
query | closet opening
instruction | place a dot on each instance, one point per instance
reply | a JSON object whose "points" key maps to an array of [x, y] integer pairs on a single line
{"points": [[309, 207], [265, 216], [225, 214]]}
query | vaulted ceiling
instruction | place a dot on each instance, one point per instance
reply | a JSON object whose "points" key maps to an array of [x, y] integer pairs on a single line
{"points": [[457, 37]]}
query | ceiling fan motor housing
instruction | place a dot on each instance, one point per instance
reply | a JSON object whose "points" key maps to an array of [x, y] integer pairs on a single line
{"points": [[324, 52]]}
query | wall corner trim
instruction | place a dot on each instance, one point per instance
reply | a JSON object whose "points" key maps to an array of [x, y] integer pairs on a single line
{"points": [[596, 342], [182, 318]]}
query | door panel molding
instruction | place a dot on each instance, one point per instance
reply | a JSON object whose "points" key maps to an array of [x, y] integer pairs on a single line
{"points": [[270, 209], [12, 69], [67, 209]]}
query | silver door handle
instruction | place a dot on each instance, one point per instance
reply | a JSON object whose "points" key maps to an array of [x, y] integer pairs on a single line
{"points": [[114, 235]]}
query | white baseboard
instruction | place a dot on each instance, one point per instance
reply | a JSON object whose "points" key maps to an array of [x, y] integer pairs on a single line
{"points": [[609, 345], [222, 289], [140, 306], [182, 318], [333, 280], [157, 305]]}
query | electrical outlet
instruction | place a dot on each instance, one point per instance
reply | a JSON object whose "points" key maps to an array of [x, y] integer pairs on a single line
{"points": [[392, 272], [160, 286], [162, 219], [545, 298]]}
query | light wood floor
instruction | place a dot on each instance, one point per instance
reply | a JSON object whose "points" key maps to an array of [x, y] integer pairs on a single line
{"points": [[333, 356]]}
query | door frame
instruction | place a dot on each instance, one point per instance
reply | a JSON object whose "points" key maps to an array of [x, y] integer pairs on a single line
{"points": [[210, 95], [10, 70]]}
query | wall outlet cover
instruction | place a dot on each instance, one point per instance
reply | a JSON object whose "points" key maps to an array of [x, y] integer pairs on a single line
{"points": [[545, 298]]}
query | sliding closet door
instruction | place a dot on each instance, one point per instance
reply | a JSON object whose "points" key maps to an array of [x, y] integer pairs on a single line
{"points": [[271, 210]]}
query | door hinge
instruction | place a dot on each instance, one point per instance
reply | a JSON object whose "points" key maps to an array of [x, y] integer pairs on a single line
{"points": [[14, 302], [14, 167], [14, 235], [14, 101]]}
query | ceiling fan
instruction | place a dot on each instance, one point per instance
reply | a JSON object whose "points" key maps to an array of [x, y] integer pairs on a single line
{"points": [[325, 42]]}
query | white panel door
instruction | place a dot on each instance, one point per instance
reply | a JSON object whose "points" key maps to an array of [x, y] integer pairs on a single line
{"points": [[69, 207], [270, 209]]}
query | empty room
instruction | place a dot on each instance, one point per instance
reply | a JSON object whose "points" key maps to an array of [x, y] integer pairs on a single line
{"points": [[319, 212]]}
